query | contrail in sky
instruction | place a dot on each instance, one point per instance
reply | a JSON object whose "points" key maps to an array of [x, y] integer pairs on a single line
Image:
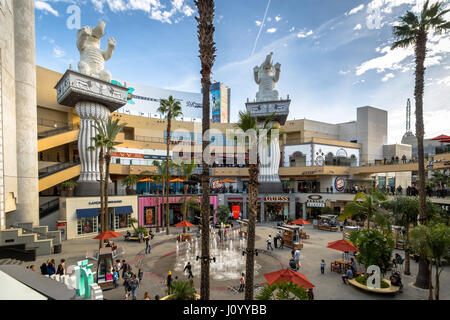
{"points": [[260, 29]]}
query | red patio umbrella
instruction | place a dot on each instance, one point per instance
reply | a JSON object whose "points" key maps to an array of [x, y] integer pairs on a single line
{"points": [[342, 245], [289, 276], [300, 221], [108, 235], [183, 224], [442, 136]]}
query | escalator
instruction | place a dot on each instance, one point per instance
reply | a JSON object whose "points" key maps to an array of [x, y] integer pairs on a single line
{"points": [[56, 137], [56, 174]]}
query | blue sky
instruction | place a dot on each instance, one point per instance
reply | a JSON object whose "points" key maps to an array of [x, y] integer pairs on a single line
{"points": [[334, 54]]}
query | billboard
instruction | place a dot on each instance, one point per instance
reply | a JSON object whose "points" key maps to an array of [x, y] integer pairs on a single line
{"points": [[144, 100], [215, 102]]}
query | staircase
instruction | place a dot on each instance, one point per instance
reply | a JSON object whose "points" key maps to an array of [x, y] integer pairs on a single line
{"points": [[44, 242], [10, 262]]}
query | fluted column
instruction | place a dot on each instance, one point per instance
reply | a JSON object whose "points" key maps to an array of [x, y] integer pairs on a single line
{"points": [[269, 155], [88, 112], [26, 113]]}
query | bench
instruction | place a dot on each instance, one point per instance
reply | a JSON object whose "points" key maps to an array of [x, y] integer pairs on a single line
{"points": [[391, 290], [134, 238]]}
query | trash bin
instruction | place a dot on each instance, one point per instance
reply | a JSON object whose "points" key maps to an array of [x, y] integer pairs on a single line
{"points": [[57, 248]]}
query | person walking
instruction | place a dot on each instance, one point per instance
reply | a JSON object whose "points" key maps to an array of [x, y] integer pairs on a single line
{"points": [[269, 243], [124, 268], [242, 283], [188, 267], [140, 275], [169, 282], [322, 267], [148, 245], [297, 258], [116, 278], [134, 285]]}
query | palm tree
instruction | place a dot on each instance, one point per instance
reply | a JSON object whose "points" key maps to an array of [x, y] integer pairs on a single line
{"points": [[406, 211], [247, 122], [182, 290], [99, 143], [364, 206], [158, 179], [414, 31], [186, 170], [170, 108], [205, 32], [161, 177], [283, 291], [109, 131]]}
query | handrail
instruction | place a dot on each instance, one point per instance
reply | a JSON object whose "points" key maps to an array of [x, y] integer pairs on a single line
{"points": [[53, 132], [48, 207], [56, 168]]}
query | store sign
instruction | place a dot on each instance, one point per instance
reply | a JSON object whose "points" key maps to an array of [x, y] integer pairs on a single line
{"points": [[109, 201], [276, 199], [149, 215], [216, 184], [315, 197], [339, 184], [315, 204], [127, 155], [236, 209]]}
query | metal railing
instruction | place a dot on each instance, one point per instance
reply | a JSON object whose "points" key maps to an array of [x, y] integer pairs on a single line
{"points": [[56, 168], [55, 131], [48, 207]]}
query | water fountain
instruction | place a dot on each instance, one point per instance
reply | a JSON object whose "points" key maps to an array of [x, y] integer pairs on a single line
{"points": [[230, 262]]}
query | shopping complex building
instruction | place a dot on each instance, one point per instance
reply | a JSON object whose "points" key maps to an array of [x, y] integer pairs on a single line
{"points": [[320, 164]]}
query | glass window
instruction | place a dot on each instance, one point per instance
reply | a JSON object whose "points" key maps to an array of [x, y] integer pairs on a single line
{"points": [[87, 225], [122, 221]]}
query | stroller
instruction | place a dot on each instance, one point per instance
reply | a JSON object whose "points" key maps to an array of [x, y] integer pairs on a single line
{"points": [[396, 280], [293, 265]]}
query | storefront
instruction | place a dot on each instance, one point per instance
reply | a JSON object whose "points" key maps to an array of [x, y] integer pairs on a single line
{"points": [[81, 215], [150, 210], [269, 207]]}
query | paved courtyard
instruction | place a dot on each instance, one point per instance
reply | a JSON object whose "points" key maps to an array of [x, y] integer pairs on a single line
{"points": [[162, 258]]}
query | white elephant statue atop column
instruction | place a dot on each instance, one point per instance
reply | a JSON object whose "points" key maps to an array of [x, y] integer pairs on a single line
{"points": [[92, 58], [266, 76]]}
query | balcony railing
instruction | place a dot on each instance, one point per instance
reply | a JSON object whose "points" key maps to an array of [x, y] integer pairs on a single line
{"points": [[56, 168]]}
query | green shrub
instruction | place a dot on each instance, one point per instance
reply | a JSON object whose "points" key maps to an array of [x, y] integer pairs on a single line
{"points": [[69, 184], [363, 280], [140, 229]]}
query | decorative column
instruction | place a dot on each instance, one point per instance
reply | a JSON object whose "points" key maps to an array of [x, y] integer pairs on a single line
{"points": [[92, 99], [26, 113], [89, 112]]}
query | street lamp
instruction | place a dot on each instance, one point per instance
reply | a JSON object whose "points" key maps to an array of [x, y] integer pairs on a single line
{"points": [[206, 258], [247, 251]]}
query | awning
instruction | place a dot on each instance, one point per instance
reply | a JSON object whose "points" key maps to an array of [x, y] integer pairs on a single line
{"points": [[87, 213], [123, 210]]}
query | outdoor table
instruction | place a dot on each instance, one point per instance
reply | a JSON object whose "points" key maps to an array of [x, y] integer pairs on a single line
{"points": [[343, 263]]}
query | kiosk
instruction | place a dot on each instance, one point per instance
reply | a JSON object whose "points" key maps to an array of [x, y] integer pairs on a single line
{"points": [[105, 269]]}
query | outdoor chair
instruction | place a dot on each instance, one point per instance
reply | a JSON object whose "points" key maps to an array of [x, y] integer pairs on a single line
{"points": [[335, 267]]}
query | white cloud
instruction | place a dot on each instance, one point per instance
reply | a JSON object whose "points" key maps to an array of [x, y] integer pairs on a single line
{"points": [[344, 72], [44, 6], [292, 29], [154, 8], [445, 81], [390, 60], [258, 23], [355, 10], [269, 19], [304, 35], [271, 30], [278, 18], [387, 77], [58, 52], [358, 27]]}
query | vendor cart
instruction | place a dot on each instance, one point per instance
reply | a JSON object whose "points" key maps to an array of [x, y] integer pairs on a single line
{"points": [[327, 222], [291, 236]]}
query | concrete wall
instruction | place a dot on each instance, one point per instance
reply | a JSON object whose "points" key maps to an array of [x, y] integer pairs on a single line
{"points": [[372, 132], [348, 131], [397, 150], [8, 185]]}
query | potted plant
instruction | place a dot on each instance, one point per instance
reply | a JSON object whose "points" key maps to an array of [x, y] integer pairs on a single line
{"points": [[130, 181], [68, 187]]}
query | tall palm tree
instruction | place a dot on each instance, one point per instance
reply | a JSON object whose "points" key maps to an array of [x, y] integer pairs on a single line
{"points": [[99, 143], [247, 122], [158, 179], [170, 108], [186, 170], [205, 32], [414, 31], [164, 178], [406, 211], [109, 130], [364, 206]]}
